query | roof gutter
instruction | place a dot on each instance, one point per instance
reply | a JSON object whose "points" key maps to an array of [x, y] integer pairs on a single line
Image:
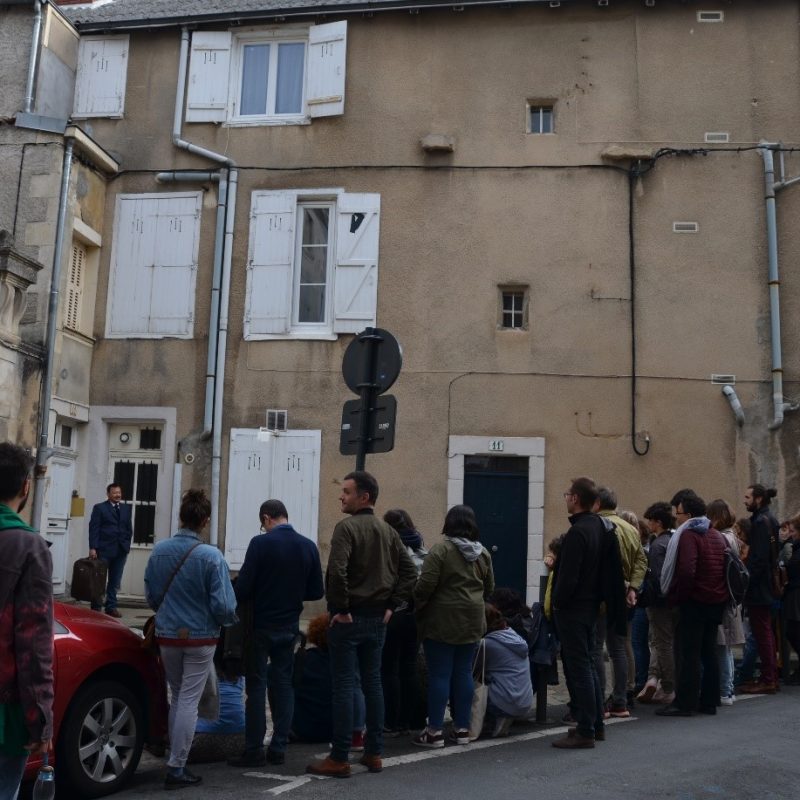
{"points": [[36, 37], [281, 14]]}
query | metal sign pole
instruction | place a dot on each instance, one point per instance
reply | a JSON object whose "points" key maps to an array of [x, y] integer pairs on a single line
{"points": [[367, 393]]}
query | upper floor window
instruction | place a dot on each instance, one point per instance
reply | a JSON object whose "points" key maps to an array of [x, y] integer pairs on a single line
{"points": [[312, 270], [101, 76], [280, 75], [154, 265], [540, 118]]}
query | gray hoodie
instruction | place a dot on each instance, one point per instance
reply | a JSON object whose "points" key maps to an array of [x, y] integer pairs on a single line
{"points": [[508, 673], [469, 549]]}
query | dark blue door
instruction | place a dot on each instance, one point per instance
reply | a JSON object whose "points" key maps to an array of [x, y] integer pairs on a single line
{"points": [[497, 490]]}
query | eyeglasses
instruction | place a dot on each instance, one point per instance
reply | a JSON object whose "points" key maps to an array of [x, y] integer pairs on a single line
{"points": [[568, 494]]}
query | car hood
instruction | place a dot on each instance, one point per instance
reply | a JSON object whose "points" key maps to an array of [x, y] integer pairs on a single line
{"points": [[77, 618]]}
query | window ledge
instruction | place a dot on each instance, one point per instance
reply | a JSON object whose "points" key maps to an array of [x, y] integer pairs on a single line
{"points": [[124, 336], [300, 335], [262, 121]]}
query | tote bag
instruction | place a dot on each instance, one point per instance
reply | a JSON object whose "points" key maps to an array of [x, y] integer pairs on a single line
{"points": [[480, 696]]}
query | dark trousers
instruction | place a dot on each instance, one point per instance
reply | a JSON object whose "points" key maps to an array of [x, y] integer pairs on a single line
{"points": [[115, 567], [399, 671], [793, 635], [640, 632], [577, 635], [696, 654], [761, 626]]}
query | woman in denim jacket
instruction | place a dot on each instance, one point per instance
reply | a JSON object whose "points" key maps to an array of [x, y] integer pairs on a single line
{"points": [[188, 586]]}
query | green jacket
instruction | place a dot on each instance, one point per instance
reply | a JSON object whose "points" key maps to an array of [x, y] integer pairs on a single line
{"points": [[634, 559], [369, 568], [449, 595]]}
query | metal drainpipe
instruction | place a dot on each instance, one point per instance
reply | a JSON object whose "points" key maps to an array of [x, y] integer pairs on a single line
{"points": [[778, 404], [43, 450], [736, 404], [34, 59], [221, 329], [222, 342]]}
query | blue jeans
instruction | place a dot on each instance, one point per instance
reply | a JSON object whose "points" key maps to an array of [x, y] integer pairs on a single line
{"points": [[747, 666], [115, 567], [11, 770], [273, 655], [356, 647], [449, 668], [640, 628], [725, 659]]}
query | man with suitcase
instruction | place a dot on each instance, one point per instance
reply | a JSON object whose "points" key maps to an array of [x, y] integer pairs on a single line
{"points": [[110, 534]]}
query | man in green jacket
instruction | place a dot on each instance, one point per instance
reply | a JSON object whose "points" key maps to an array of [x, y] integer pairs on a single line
{"points": [[634, 568], [369, 575]]}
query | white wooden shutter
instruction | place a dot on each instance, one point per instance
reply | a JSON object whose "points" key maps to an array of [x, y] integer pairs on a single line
{"points": [[356, 278], [268, 305], [131, 277], [209, 66], [249, 478], [101, 76], [74, 293], [327, 51], [295, 477], [177, 239]]}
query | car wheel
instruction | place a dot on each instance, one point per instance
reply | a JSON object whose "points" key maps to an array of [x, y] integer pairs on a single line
{"points": [[101, 739]]}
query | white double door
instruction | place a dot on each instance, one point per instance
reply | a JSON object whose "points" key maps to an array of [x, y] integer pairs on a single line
{"points": [[284, 466]]}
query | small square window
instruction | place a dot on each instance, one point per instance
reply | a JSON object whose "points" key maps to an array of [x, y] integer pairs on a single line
{"points": [[65, 436], [540, 119], [513, 308]]}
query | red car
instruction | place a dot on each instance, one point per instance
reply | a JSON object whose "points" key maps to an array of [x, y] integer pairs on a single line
{"points": [[110, 699]]}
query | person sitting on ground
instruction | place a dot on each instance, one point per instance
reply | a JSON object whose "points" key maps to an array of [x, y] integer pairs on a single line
{"points": [[507, 674], [222, 738], [313, 691]]}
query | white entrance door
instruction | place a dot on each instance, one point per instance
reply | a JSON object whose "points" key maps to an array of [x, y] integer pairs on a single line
{"points": [[61, 474], [280, 465]]}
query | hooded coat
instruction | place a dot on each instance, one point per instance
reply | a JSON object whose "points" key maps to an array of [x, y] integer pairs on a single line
{"points": [[508, 673]]}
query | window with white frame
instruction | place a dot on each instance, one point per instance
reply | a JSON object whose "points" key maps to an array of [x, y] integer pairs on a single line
{"points": [[312, 267], [286, 74], [154, 265], [101, 76], [513, 307], [540, 118]]}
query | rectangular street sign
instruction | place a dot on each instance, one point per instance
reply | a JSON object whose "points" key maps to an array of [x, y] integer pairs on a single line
{"points": [[380, 436]]}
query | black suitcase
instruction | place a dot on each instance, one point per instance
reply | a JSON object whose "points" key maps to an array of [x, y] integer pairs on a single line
{"points": [[89, 576]]}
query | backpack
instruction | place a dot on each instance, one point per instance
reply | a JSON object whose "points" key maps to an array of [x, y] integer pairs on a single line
{"points": [[650, 593], [736, 576]]}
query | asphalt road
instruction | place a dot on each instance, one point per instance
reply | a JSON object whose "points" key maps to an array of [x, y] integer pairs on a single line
{"points": [[746, 752]]}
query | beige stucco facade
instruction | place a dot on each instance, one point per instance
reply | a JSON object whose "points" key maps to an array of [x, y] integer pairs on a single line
{"points": [[505, 208]]}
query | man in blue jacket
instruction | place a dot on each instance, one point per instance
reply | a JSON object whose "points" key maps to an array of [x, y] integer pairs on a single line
{"points": [[281, 569], [110, 534]]}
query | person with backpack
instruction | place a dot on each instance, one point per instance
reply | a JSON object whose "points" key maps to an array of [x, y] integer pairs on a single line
{"points": [[660, 685], [761, 562], [731, 631], [693, 577]]}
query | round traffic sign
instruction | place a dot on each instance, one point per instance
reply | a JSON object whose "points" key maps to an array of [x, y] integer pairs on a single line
{"points": [[373, 359]]}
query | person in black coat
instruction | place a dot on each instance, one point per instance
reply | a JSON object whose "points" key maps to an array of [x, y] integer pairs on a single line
{"points": [[110, 535]]}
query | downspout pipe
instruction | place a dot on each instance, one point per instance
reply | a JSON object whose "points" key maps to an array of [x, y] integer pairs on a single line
{"points": [[222, 342], [778, 404], [33, 62], [215, 374], [736, 405], [43, 449]]}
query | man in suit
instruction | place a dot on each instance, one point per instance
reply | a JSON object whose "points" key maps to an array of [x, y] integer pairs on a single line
{"points": [[110, 534]]}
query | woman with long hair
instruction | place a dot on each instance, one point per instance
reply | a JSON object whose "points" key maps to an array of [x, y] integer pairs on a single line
{"points": [[449, 605], [188, 585]]}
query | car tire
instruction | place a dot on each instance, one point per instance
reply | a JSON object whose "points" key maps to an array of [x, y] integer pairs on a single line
{"points": [[100, 740]]}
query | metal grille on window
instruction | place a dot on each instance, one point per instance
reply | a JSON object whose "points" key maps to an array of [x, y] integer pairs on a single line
{"points": [[72, 307], [541, 119], [513, 309], [139, 483]]}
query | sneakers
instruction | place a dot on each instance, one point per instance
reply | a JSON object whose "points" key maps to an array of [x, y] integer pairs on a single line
{"points": [[182, 781], [330, 768], [619, 711], [729, 700], [648, 691], [357, 742], [428, 739], [372, 763], [255, 758], [460, 735]]}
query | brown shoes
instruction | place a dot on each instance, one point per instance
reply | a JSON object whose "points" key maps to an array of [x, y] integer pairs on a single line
{"points": [[574, 742], [757, 687], [372, 763], [332, 768]]}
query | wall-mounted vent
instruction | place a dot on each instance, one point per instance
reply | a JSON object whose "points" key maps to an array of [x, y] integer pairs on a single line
{"points": [[277, 419], [723, 379], [717, 137], [685, 227], [710, 16]]}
